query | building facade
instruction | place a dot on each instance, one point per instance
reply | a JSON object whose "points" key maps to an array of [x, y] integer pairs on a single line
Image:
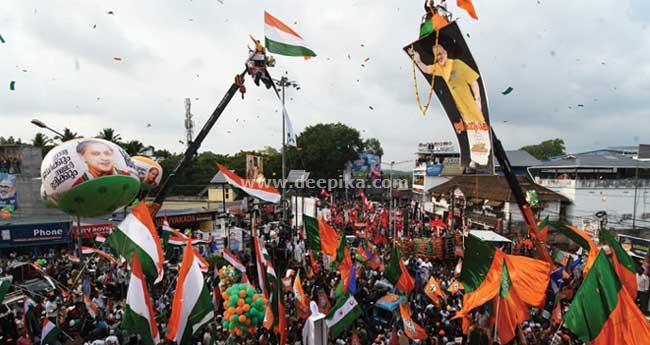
{"points": [[600, 181]]}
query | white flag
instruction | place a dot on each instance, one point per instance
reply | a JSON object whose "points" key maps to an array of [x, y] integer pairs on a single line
{"points": [[291, 135]]}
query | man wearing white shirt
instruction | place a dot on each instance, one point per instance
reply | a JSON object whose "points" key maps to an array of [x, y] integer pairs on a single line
{"points": [[643, 287]]}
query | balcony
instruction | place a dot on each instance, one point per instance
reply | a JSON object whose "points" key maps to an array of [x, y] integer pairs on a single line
{"points": [[593, 184]]}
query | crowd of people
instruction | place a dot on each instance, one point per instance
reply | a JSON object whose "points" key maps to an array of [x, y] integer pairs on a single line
{"points": [[10, 164], [87, 295]]}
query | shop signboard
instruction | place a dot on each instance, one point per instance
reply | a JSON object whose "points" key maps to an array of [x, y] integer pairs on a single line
{"points": [[35, 234]]}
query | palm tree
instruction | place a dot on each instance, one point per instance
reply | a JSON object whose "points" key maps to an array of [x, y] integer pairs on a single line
{"points": [[110, 135], [67, 135], [41, 140], [133, 147]]}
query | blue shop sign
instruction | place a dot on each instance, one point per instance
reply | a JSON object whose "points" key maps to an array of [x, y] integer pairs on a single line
{"points": [[34, 234], [434, 169]]}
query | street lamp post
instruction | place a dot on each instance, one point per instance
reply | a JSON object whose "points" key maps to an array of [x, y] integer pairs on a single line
{"points": [[40, 124], [283, 83]]}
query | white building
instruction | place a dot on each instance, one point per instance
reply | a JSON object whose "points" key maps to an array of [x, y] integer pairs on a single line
{"points": [[600, 181]]}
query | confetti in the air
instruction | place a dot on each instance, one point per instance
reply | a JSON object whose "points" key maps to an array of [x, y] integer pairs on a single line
{"points": [[12, 85], [507, 91]]}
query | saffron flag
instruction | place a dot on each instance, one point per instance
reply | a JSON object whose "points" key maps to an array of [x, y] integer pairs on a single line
{"points": [[583, 240], [192, 305], [302, 303], [397, 273], [433, 290], [139, 317], [138, 233], [254, 189], [455, 286], [467, 6], [603, 312], [510, 310], [281, 39], [412, 329], [49, 332], [481, 276], [623, 263], [321, 237]]}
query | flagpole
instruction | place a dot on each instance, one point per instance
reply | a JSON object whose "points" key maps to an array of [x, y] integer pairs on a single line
{"points": [[496, 317], [283, 84]]}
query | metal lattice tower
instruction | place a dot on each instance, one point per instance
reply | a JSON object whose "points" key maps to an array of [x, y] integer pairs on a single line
{"points": [[189, 123]]}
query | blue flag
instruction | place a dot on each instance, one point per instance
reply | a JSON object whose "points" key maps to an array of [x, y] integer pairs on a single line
{"points": [[352, 286]]}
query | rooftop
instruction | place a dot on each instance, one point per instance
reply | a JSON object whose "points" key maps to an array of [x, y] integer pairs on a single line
{"points": [[612, 160], [494, 188], [520, 158]]}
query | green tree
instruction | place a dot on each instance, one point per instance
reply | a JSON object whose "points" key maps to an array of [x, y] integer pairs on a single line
{"points": [[41, 140], [546, 149], [133, 147], [162, 154], [67, 135], [326, 147], [110, 134], [373, 145]]}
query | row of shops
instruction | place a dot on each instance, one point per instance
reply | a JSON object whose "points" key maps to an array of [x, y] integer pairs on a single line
{"points": [[43, 233]]}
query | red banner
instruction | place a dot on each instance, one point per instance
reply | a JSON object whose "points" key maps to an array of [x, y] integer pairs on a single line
{"points": [[93, 230]]}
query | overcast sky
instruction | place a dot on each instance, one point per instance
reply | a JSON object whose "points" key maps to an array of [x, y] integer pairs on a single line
{"points": [[556, 54]]}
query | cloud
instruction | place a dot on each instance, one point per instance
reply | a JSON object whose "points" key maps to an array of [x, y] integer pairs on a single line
{"points": [[554, 55]]}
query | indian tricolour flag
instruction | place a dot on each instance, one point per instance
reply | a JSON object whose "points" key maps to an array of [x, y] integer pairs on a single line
{"points": [[233, 260], [139, 317], [252, 188], [49, 332], [138, 233], [281, 39], [192, 306]]}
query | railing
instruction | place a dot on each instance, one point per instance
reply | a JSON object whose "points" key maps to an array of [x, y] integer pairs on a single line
{"points": [[618, 183], [555, 183]]}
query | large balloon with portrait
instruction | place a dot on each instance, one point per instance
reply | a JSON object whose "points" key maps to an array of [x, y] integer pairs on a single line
{"points": [[88, 177], [149, 171]]}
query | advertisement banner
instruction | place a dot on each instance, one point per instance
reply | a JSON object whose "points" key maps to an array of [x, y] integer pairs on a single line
{"points": [[236, 239], [93, 230], [255, 168], [434, 169], [367, 167], [34, 234], [446, 62], [8, 194]]}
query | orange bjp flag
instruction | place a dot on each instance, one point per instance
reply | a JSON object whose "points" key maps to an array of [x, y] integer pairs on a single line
{"points": [[412, 329], [433, 290]]}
